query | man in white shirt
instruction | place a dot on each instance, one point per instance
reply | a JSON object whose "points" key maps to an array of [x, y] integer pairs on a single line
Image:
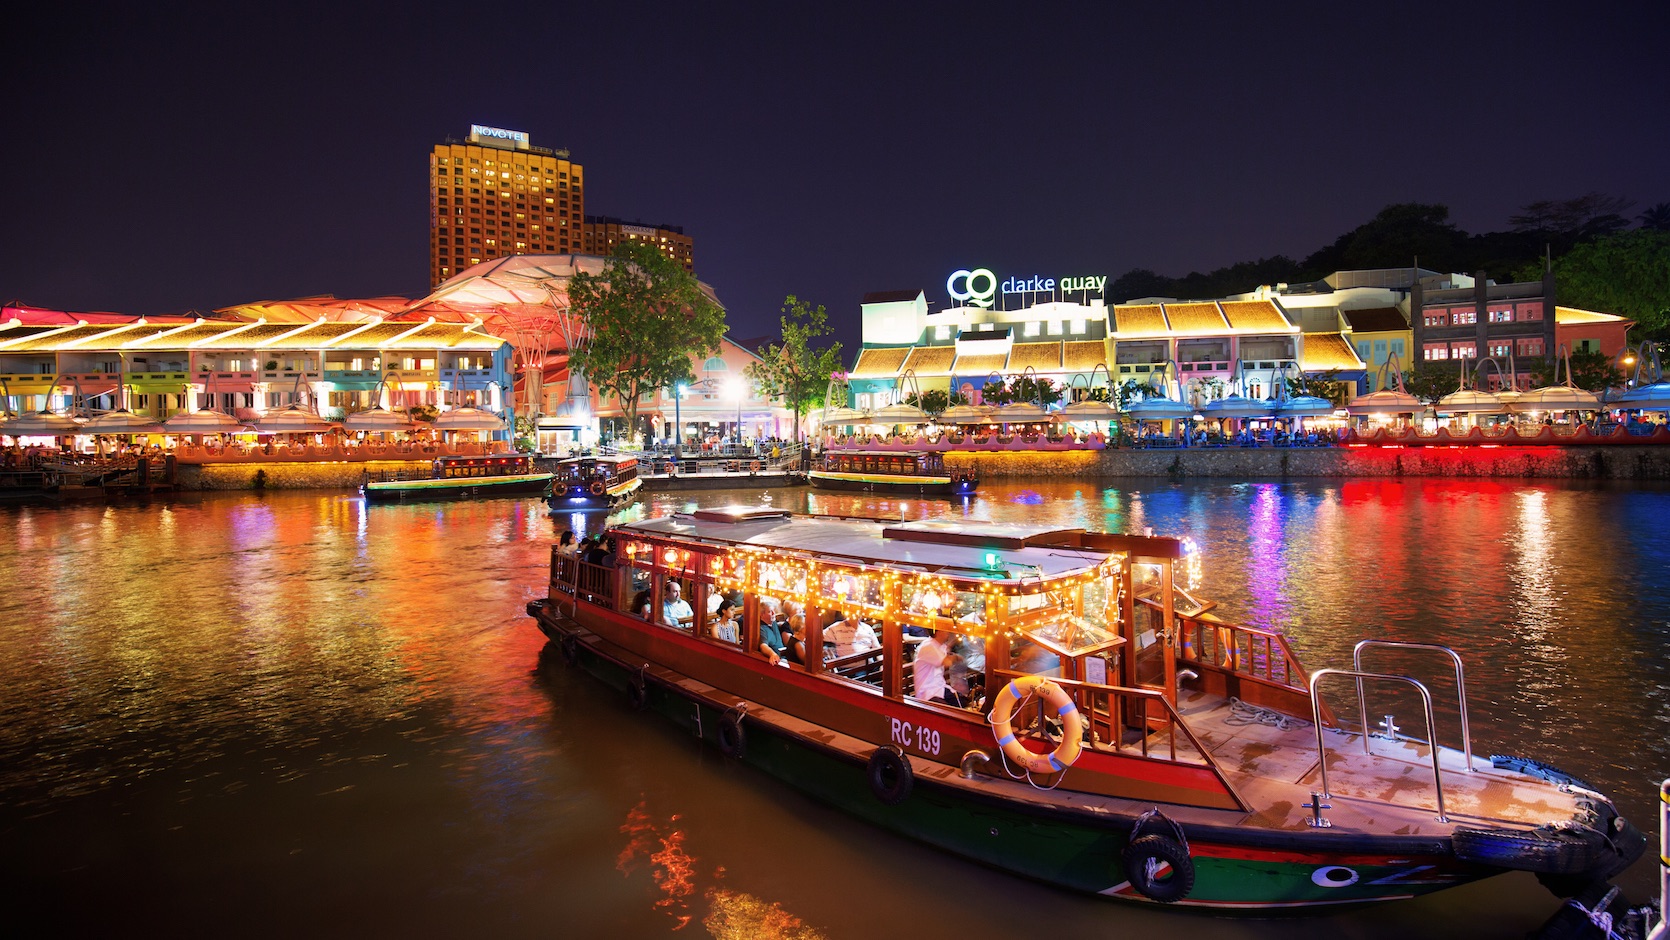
{"points": [[928, 669], [675, 610], [851, 635]]}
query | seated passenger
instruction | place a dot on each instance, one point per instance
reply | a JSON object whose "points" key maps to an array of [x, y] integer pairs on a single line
{"points": [[640, 605], [723, 624], [933, 658], [675, 610], [850, 636], [772, 643], [794, 637]]}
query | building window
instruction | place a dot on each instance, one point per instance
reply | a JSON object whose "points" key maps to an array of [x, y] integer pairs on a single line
{"points": [[1530, 347], [1031, 329], [1464, 351], [1436, 319], [1464, 317], [1501, 316], [1436, 351]]}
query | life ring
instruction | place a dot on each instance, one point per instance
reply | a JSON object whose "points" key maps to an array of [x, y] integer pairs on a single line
{"points": [[733, 740], [596, 488], [890, 775], [1143, 858], [637, 692], [1057, 698]]}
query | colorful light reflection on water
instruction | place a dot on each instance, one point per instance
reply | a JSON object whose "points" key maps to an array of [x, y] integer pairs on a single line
{"points": [[293, 713]]}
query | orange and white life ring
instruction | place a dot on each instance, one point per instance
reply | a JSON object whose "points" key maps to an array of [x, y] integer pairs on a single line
{"points": [[597, 488], [1055, 697]]}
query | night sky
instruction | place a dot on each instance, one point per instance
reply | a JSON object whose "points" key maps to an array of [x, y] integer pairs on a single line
{"points": [[163, 158]]}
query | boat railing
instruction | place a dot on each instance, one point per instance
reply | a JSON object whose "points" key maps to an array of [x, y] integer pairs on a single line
{"points": [[1426, 706], [1460, 689], [1247, 651], [1662, 931], [575, 579], [1121, 720]]}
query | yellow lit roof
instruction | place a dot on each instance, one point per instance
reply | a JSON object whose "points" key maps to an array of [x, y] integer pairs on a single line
{"points": [[1573, 315], [1195, 318], [246, 338], [53, 339], [1322, 352], [931, 360], [229, 335], [879, 363], [1260, 316], [1042, 357], [1140, 320], [979, 365], [1082, 356]]}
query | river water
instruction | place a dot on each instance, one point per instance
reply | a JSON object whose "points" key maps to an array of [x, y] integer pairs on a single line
{"points": [[291, 713]]}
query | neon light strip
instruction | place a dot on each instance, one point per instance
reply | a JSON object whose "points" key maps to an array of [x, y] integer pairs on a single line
{"points": [[456, 481]]}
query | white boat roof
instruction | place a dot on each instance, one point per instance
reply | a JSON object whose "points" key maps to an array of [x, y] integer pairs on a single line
{"points": [[952, 549]]}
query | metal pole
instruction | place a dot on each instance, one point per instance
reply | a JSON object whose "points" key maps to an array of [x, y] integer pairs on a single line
{"points": [[678, 421], [1426, 706], [1460, 689], [1662, 931]]}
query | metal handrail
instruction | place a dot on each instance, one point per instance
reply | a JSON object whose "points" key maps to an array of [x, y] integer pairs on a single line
{"points": [[1322, 748], [1662, 931], [1460, 689]]}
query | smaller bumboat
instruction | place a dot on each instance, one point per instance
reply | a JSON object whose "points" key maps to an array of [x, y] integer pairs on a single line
{"points": [[460, 478], [584, 484], [884, 472]]}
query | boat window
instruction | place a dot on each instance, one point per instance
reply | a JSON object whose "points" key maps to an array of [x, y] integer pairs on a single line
{"points": [[852, 588], [781, 579], [947, 668], [722, 619], [675, 608], [852, 647]]}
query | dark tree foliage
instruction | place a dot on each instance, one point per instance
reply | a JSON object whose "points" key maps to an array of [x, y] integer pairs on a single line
{"points": [[1656, 218], [1567, 222], [1395, 237], [1589, 370]]}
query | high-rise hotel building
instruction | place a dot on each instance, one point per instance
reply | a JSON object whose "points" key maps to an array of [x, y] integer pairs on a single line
{"points": [[602, 233], [495, 194]]}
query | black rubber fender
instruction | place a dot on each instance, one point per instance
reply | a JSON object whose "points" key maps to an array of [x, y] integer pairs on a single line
{"points": [[1536, 768], [891, 776], [733, 739], [1142, 857], [1553, 851], [570, 649], [637, 692]]}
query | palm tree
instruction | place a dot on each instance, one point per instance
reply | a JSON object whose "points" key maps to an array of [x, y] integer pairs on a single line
{"points": [[1656, 218]]}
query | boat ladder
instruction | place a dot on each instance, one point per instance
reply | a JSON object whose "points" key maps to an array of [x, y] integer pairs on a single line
{"points": [[1358, 674]]}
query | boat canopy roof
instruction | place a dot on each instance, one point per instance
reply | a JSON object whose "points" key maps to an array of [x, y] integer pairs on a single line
{"points": [[602, 461], [1001, 553]]}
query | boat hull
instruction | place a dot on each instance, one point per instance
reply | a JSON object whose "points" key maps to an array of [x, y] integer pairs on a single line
{"points": [[1234, 869], [581, 500], [903, 485], [394, 491]]}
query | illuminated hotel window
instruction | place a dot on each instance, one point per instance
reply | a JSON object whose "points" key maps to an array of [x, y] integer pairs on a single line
{"points": [[1078, 326], [1031, 328]]}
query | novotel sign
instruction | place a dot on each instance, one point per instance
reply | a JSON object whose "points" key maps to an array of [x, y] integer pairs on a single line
{"points": [[977, 288], [519, 138]]}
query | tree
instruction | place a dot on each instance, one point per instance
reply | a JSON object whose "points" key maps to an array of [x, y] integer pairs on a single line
{"points": [[1656, 218], [1590, 370], [1430, 381], [647, 316], [1568, 222], [795, 370], [1327, 385], [933, 401], [1627, 274], [1395, 238]]}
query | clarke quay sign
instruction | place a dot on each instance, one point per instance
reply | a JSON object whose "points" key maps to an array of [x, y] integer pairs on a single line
{"points": [[978, 288]]}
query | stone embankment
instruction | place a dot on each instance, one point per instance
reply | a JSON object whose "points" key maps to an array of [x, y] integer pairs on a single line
{"points": [[1646, 462], [325, 475]]}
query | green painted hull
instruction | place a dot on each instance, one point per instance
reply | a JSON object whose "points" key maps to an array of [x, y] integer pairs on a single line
{"points": [[1070, 851]]}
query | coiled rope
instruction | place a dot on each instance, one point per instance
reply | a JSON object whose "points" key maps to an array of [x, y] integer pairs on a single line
{"points": [[1246, 713]]}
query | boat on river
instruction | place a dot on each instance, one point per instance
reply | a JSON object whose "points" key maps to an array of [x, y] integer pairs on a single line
{"points": [[583, 484], [904, 473], [1077, 716], [459, 478]]}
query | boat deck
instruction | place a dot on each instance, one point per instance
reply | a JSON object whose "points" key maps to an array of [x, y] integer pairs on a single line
{"points": [[1278, 769]]}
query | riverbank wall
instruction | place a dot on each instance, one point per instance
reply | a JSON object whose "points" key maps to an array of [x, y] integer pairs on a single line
{"points": [[1645, 462], [288, 475]]}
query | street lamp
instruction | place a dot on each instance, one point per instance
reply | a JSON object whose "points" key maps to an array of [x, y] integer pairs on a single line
{"points": [[678, 421]]}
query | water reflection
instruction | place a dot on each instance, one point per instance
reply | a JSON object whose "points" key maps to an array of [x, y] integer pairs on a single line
{"points": [[223, 700]]}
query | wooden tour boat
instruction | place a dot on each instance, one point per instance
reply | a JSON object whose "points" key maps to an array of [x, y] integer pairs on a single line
{"points": [[1124, 740], [584, 484], [909, 474], [460, 478]]}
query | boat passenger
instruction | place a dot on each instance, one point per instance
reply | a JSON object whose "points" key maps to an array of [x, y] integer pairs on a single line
{"points": [[723, 625], [640, 605], [772, 643], [850, 636], [675, 610], [928, 669], [565, 542]]}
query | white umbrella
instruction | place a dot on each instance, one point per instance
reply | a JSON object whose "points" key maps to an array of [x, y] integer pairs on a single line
{"points": [[469, 418], [123, 421], [1557, 398], [900, 413], [1020, 411], [207, 421], [378, 419], [1238, 406], [42, 422], [1654, 397], [1385, 401], [1090, 410], [293, 420], [965, 414], [845, 416], [1159, 409], [1469, 401], [1304, 406]]}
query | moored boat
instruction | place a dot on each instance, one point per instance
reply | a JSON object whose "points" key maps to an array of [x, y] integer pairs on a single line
{"points": [[1072, 715], [908, 474], [460, 478], [583, 484]]}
